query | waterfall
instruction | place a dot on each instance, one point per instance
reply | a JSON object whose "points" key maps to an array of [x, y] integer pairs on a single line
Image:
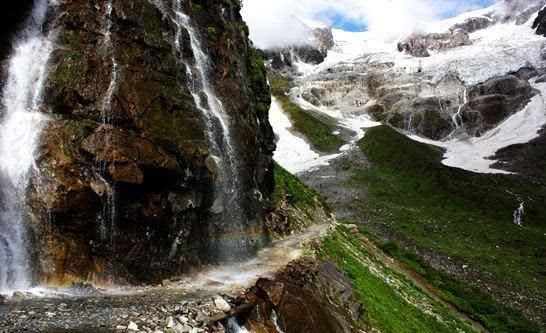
{"points": [[222, 148], [519, 213], [19, 136], [107, 225], [457, 117], [234, 327], [409, 126], [275, 320], [108, 49]]}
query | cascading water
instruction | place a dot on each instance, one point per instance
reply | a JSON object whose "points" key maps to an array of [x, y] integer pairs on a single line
{"points": [[275, 320], [519, 213], [227, 196], [108, 48], [234, 327], [457, 118], [108, 218], [409, 125], [19, 136]]}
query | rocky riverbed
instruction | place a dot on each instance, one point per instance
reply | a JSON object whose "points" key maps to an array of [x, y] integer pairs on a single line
{"points": [[192, 303], [148, 311]]}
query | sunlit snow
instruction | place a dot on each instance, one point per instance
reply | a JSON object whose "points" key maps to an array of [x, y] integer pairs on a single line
{"points": [[498, 50]]}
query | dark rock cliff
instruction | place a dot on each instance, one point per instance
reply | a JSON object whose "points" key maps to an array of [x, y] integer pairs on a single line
{"points": [[540, 22], [126, 179]]}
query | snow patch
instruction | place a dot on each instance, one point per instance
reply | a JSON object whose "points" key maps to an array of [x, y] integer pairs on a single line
{"points": [[474, 154], [293, 152]]}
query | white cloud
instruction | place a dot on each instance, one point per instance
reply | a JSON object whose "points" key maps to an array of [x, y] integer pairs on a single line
{"points": [[275, 22]]}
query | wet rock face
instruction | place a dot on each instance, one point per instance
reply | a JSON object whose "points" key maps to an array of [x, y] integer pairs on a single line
{"points": [[124, 189], [436, 110]]}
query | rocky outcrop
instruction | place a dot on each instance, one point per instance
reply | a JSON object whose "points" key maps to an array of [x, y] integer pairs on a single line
{"points": [[491, 102], [519, 12], [126, 180], [419, 45], [324, 39], [474, 24], [540, 23], [424, 109], [321, 40], [528, 160], [308, 296]]}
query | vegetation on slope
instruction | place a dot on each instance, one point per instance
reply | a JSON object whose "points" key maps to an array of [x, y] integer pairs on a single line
{"points": [[392, 302], [318, 132], [296, 206], [415, 200], [288, 187]]}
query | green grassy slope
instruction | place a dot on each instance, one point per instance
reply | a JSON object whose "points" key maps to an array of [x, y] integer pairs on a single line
{"points": [[461, 215], [392, 303]]}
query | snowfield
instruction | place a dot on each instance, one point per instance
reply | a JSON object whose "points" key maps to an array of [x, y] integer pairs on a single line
{"points": [[495, 51]]}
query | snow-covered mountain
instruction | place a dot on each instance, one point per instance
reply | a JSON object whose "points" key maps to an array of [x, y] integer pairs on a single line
{"points": [[473, 84]]}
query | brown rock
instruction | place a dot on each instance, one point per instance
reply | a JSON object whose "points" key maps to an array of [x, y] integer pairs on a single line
{"points": [[273, 290], [110, 144], [126, 173]]}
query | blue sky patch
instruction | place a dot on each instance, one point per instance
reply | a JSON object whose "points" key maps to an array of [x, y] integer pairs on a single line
{"points": [[339, 21]]}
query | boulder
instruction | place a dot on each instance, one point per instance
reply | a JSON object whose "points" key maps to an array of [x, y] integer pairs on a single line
{"points": [[221, 304], [309, 288], [132, 326]]}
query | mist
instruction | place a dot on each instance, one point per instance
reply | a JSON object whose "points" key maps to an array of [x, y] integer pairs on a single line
{"points": [[279, 23]]}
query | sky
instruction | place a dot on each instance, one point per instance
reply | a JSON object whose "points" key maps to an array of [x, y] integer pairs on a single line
{"points": [[278, 22]]}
